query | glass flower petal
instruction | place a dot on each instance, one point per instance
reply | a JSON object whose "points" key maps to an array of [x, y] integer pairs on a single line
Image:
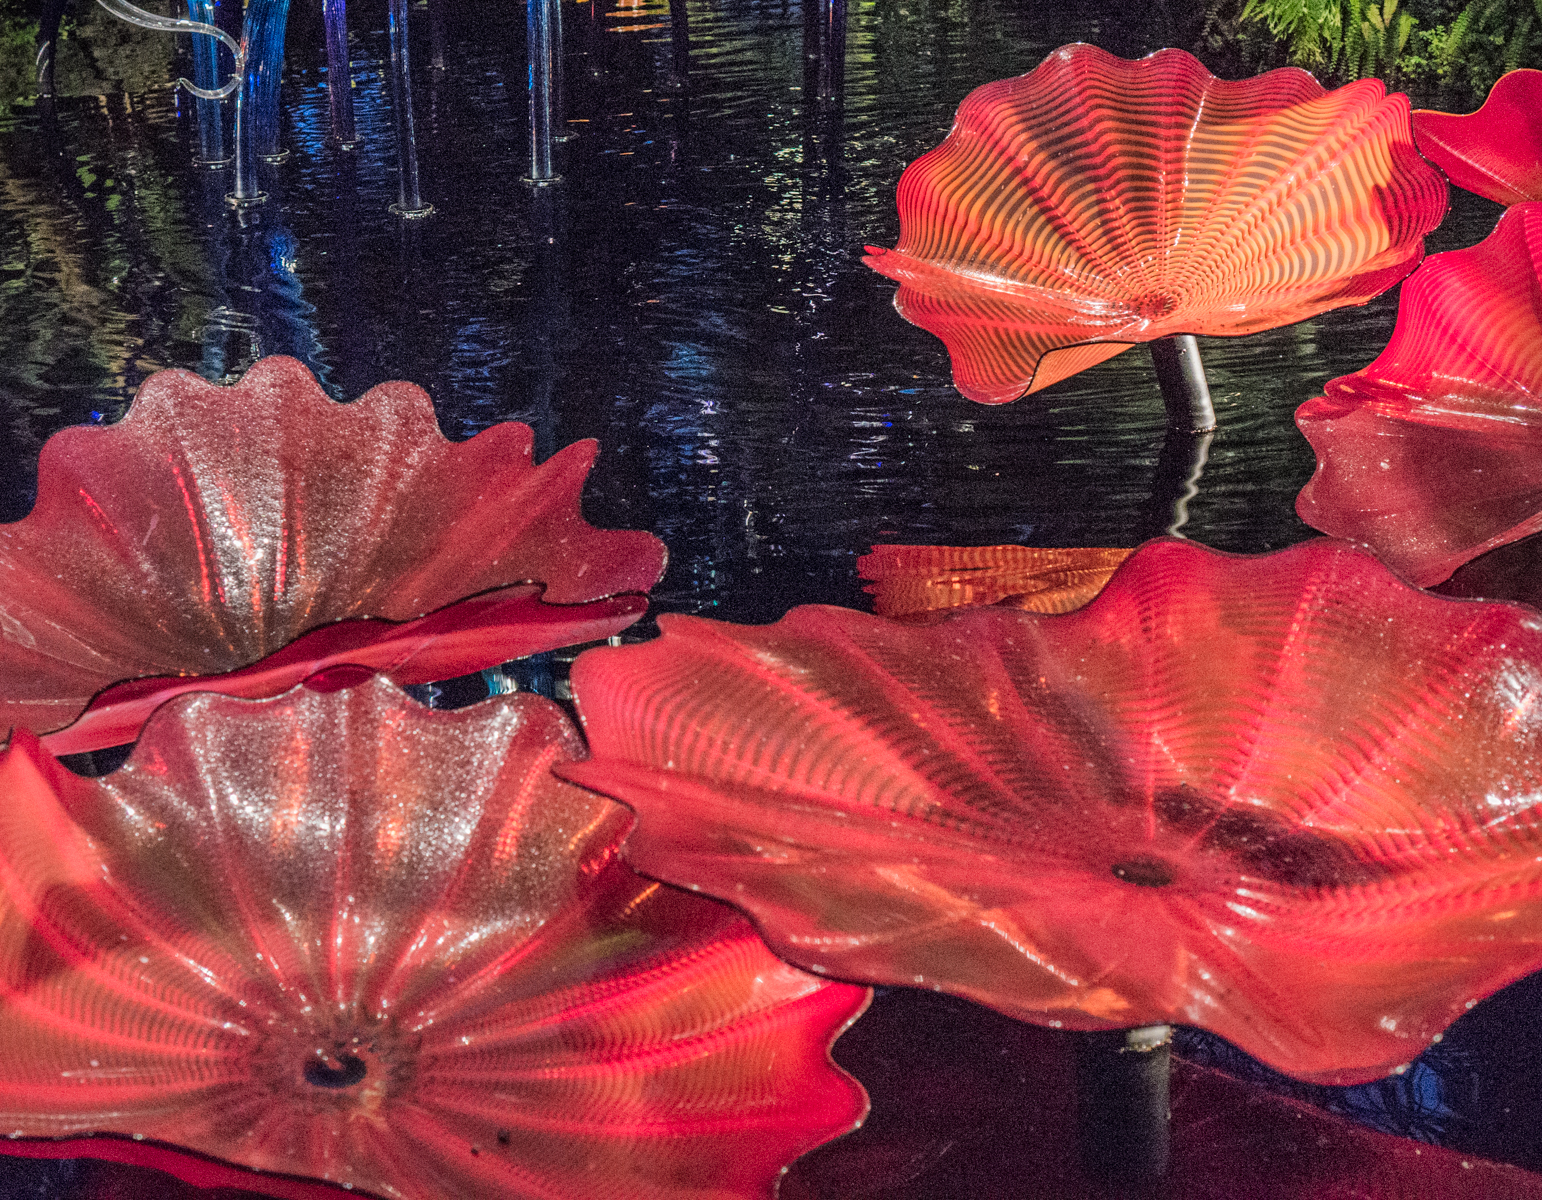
{"points": [[1433, 453], [1289, 799], [1101, 201], [1496, 151], [213, 525], [343, 936], [912, 580]]}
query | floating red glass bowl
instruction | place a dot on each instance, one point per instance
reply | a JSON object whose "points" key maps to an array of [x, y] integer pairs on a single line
{"points": [[910, 581], [346, 937], [1496, 151], [1289, 799], [214, 525], [1096, 202], [1433, 453]]}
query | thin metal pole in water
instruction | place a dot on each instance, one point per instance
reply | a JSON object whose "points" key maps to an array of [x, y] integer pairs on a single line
{"points": [[409, 202], [1122, 1102], [436, 34], [679, 45], [334, 15], [1181, 376], [832, 63], [544, 28]]}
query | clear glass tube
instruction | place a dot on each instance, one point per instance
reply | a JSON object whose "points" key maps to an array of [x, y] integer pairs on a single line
{"points": [[543, 19], [125, 11], [409, 201], [334, 15]]}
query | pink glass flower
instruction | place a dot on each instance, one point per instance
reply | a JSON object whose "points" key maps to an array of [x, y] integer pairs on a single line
{"points": [[346, 937], [1289, 799], [213, 526], [1433, 453], [1095, 202], [1496, 151]]}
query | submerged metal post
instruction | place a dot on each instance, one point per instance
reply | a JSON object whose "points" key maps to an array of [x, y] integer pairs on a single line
{"points": [[1181, 376], [1122, 1102], [48, 45], [543, 22], [679, 44], [832, 63], [1179, 468], [436, 34], [409, 202], [334, 15]]}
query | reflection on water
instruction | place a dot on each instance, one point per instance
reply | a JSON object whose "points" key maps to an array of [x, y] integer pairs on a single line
{"points": [[691, 295]]}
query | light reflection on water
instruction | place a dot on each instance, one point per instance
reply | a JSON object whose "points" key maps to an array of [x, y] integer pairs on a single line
{"points": [[692, 295]]}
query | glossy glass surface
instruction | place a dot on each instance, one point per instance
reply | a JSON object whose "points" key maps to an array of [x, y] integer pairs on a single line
{"points": [[346, 937], [1432, 454], [910, 580], [1096, 202], [212, 526], [1496, 151], [469, 635], [1289, 799], [702, 311]]}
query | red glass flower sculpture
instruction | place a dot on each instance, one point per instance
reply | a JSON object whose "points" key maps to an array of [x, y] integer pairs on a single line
{"points": [[1095, 202], [1496, 151], [212, 526], [1289, 799], [346, 937], [909, 581], [1433, 453]]}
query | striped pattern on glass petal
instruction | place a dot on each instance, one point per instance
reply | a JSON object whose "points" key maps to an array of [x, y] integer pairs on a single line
{"points": [[1289, 799], [1433, 453], [1105, 201]]}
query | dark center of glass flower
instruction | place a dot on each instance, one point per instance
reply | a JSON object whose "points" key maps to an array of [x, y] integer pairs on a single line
{"points": [[1144, 872], [341, 1071], [1153, 305]]}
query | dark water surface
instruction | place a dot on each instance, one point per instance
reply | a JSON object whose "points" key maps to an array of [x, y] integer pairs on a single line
{"points": [[691, 295]]}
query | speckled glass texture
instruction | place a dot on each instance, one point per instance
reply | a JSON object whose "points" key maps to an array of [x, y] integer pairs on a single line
{"points": [[343, 936]]}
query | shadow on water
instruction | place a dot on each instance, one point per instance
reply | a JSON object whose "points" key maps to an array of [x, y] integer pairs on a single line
{"points": [[691, 295]]}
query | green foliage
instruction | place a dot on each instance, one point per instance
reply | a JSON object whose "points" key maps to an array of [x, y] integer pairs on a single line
{"points": [[1456, 47], [1478, 42], [18, 38]]}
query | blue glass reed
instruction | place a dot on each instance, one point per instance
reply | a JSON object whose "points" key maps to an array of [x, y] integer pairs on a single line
{"points": [[206, 74], [264, 35]]}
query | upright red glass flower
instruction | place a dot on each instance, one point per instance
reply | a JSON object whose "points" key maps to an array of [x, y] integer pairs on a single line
{"points": [[1433, 453], [1095, 202], [346, 937], [1496, 151], [909, 581], [1289, 799], [213, 526]]}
